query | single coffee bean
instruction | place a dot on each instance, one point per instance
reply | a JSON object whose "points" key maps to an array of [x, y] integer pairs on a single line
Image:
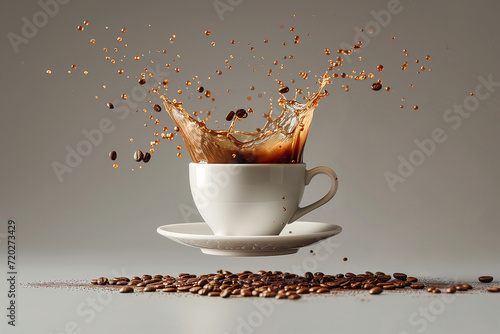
{"points": [[412, 279], [142, 81], [436, 290], [467, 286], [389, 287], [226, 293], [149, 281], [141, 284], [102, 281], [149, 288], [110, 105], [145, 277], [460, 287], [368, 286], [267, 294], [126, 289], [493, 289], [157, 108], [283, 90], [384, 278], [147, 157], [203, 292], [417, 286], [376, 86], [281, 296], [195, 289], [184, 288], [241, 113], [214, 294], [485, 279], [169, 290], [294, 296], [121, 283], [201, 89], [430, 288], [375, 290], [451, 289], [308, 275], [303, 291], [230, 116], [138, 155], [246, 292], [400, 276], [113, 155], [322, 290], [94, 281]]}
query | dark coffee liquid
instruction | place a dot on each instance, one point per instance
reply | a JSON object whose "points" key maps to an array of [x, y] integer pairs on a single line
{"points": [[281, 140]]}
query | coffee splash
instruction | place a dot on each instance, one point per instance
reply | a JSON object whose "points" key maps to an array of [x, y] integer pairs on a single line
{"points": [[281, 140]]}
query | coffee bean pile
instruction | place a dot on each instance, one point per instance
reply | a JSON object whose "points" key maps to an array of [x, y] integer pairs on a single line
{"points": [[273, 284]]}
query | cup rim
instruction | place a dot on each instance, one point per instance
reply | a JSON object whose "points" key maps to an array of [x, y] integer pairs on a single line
{"points": [[248, 164]]}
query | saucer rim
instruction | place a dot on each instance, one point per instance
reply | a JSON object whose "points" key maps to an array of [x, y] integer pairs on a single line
{"points": [[335, 229]]}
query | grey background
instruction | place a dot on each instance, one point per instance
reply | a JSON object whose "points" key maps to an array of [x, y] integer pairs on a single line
{"points": [[441, 222]]}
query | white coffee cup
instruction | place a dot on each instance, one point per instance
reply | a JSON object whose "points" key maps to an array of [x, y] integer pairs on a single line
{"points": [[253, 199]]}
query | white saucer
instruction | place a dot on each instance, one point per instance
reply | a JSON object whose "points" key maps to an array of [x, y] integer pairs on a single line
{"points": [[294, 236]]}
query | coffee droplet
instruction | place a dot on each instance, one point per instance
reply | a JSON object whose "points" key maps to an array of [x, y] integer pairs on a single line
{"points": [[201, 89], [156, 108], [376, 86], [380, 68], [112, 155], [80, 28], [115, 166], [142, 81], [415, 107], [48, 72], [207, 32]]}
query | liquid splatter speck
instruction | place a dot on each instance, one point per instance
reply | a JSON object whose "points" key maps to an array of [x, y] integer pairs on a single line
{"points": [[415, 107], [115, 166], [48, 72], [80, 28]]}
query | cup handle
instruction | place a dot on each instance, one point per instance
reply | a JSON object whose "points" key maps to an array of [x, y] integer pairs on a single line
{"points": [[333, 189]]}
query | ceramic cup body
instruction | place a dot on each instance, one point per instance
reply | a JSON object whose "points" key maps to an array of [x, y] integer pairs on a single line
{"points": [[253, 199]]}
